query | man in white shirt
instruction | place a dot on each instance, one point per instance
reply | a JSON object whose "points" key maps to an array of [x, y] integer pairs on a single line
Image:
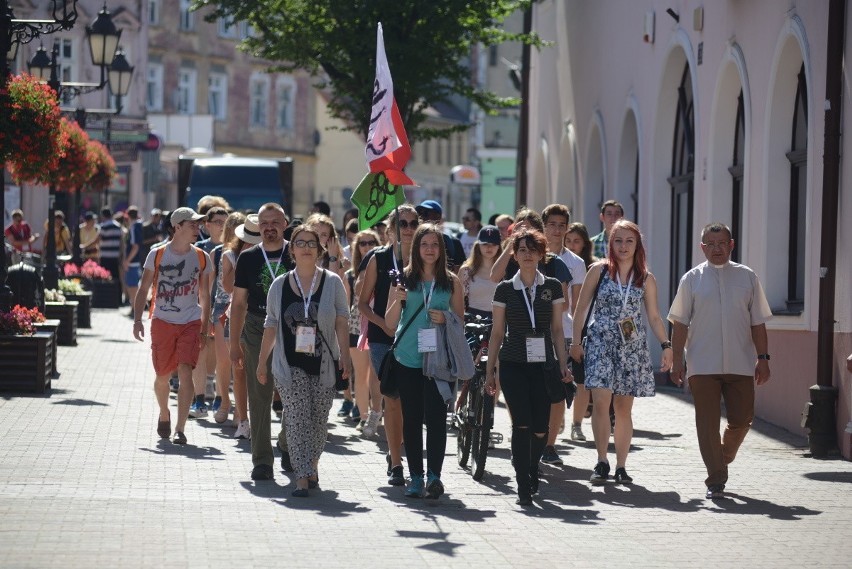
{"points": [[719, 313]]}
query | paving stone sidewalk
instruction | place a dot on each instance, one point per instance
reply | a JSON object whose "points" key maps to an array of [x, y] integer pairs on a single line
{"points": [[85, 482]]}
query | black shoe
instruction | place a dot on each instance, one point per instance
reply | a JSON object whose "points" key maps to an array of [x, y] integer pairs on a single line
{"points": [[277, 407], [300, 493], [549, 456], [600, 473], [397, 476], [286, 466], [388, 458], [534, 480], [715, 491], [621, 476], [262, 472], [524, 499]]}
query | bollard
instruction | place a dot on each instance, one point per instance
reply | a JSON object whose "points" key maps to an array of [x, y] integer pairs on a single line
{"points": [[820, 416]]}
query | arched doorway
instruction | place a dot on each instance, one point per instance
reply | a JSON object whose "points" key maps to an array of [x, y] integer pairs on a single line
{"points": [[681, 181]]}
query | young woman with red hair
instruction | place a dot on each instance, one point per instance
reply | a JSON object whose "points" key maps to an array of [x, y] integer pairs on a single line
{"points": [[617, 360]]}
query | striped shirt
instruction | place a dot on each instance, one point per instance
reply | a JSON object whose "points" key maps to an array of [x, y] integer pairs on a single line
{"points": [[111, 236]]}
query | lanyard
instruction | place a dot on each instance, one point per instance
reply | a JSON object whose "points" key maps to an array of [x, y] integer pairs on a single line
{"points": [[427, 298], [530, 306], [272, 274], [627, 292], [306, 300]]}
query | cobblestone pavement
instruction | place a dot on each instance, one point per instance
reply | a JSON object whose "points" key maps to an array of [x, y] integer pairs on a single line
{"points": [[85, 482]]}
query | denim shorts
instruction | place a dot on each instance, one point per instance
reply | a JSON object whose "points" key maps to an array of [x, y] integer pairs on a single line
{"points": [[377, 354], [133, 275]]}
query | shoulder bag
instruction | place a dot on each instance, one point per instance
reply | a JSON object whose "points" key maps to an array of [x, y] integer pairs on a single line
{"points": [[388, 377]]}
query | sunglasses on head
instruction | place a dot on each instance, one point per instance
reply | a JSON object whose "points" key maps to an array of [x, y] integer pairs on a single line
{"points": [[370, 243], [408, 224]]}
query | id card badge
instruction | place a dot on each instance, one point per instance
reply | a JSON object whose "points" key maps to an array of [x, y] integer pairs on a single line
{"points": [[306, 339], [535, 349], [427, 340], [627, 329]]}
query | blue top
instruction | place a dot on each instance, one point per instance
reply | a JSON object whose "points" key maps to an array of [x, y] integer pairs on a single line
{"points": [[406, 350]]}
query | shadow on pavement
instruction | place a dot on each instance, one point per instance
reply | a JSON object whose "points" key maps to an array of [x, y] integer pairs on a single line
{"points": [[188, 450], [80, 402], [654, 436], [322, 502], [830, 476], [444, 507], [745, 505], [438, 541]]}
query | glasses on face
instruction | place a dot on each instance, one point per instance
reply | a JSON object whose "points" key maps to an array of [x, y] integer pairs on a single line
{"points": [[301, 244], [217, 222], [408, 224], [370, 243], [719, 245]]}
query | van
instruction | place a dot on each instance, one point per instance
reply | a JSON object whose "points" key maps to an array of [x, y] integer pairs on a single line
{"points": [[246, 183]]}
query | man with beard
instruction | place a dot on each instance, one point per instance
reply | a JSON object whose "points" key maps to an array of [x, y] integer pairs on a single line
{"points": [[256, 268]]}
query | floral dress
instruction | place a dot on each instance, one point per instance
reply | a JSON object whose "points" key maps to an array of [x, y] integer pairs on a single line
{"points": [[623, 368]]}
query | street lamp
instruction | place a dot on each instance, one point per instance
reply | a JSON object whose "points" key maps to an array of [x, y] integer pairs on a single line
{"points": [[103, 40], [120, 75], [13, 32]]}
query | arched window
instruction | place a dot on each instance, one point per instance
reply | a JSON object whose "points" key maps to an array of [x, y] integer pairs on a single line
{"points": [[736, 171], [798, 157], [681, 182]]}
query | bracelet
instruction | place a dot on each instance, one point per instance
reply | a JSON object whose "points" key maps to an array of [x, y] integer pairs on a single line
{"points": [[666, 345]]}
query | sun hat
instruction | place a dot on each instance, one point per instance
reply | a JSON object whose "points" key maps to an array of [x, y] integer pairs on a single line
{"points": [[250, 230]]}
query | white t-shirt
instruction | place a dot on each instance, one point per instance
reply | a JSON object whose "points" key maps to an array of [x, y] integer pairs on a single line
{"points": [[577, 267], [176, 296], [467, 242]]}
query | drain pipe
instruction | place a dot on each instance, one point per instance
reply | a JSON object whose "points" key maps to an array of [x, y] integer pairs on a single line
{"points": [[820, 415]]}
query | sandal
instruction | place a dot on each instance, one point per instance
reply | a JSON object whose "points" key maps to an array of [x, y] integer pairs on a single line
{"points": [[300, 493], [164, 428], [179, 438]]}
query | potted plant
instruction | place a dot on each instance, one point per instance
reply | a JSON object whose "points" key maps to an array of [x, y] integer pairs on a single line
{"points": [[99, 280], [26, 355], [42, 324], [73, 290], [56, 306]]}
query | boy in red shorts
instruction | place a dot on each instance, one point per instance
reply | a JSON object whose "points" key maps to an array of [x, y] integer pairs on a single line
{"points": [[180, 273]]}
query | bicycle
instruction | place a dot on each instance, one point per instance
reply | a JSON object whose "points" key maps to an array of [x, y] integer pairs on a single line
{"points": [[474, 416]]}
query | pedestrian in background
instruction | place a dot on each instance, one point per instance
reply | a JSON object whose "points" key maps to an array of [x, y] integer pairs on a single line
{"points": [[611, 211], [90, 238], [306, 315], [112, 251], [616, 355], [61, 234], [527, 327], [433, 289], [719, 315], [475, 274]]}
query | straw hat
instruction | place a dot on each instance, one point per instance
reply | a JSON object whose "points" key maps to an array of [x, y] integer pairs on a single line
{"points": [[250, 230]]}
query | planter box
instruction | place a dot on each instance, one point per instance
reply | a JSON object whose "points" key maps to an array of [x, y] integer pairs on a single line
{"points": [[26, 362], [106, 294], [51, 327], [84, 308], [67, 315]]}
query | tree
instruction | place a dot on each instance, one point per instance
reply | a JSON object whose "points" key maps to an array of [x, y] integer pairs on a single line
{"points": [[428, 44]]}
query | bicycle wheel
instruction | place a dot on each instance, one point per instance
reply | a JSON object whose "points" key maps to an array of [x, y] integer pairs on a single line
{"points": [[481, 435], [463, 440]]}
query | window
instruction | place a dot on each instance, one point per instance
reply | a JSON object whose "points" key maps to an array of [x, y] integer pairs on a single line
{"points": [[258, 101], [246, 31], [681, 181], [154, 12], [187, 19], [226, 28], [426, 145], [737, 171], [798, 157], [286, 97], [186, 92], [154, 90], [217, 96]]}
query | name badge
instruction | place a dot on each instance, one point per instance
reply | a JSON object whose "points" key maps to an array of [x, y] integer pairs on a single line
{"points": [[306, 339], [427, 340], [535, 349], [627, 329]]}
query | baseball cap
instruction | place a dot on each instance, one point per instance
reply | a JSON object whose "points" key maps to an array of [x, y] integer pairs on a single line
{"points": [[250, 230], [182, 214], [489, 234], [156, 211], [430, 205]]}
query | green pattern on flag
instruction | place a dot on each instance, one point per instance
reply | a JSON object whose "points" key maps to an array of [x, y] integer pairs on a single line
{"points": [[375, 197]]}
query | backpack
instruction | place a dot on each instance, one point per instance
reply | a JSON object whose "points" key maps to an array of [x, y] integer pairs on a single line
{"points": [[158, 256]]}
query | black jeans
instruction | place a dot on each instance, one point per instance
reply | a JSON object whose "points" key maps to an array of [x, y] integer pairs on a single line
{"points": [[422, 404]]}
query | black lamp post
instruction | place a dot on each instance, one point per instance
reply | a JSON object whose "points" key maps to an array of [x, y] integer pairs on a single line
{"points": [[120, 76], [13, 32]]}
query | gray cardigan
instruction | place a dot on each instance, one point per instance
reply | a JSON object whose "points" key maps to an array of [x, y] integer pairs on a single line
{"points": [[452, 360], [332, 304]]}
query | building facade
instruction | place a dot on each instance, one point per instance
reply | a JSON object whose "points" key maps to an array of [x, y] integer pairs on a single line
{"points": [[713, 112]]}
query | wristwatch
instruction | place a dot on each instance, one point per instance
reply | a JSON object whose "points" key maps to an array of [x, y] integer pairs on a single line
{"points": [[332, 258], [763, 357]]}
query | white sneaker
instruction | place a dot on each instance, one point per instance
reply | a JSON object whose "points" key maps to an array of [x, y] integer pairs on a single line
{"points": [[577, 433], [243, 430], [372, 425]]}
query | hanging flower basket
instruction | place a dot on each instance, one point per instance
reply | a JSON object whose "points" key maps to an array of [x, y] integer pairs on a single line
{"points": [[31, 141], [75, 166], [103, 167]]}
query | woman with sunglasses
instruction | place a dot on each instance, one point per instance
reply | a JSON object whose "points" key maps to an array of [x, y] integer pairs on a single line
{"points": [[381, 268], [430, 288], [475, 273], [367, 395], [306, 315]]}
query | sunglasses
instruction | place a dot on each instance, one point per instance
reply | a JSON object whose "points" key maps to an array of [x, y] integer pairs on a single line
{"points": [[301, 244], [370, 243], [408, 224]]}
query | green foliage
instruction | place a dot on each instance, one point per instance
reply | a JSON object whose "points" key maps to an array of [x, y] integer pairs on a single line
{"points": [[428, 45]]}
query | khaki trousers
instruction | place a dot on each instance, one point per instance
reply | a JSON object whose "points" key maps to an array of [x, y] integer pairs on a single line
{"points": [[707, 392]]}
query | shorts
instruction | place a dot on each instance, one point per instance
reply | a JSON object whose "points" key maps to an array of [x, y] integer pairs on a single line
{"points": [[353, 340], [174, 344], [377, 354], [133, 275]]}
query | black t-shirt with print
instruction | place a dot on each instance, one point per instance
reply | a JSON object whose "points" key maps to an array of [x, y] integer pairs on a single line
{"points": [[384, 266], [518, 325], [253, 274], [293, 315]]}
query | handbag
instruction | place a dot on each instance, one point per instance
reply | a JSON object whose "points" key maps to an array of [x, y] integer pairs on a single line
{"points": [[578, 369], [388, 377], [557, 390], [340, 384]]}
